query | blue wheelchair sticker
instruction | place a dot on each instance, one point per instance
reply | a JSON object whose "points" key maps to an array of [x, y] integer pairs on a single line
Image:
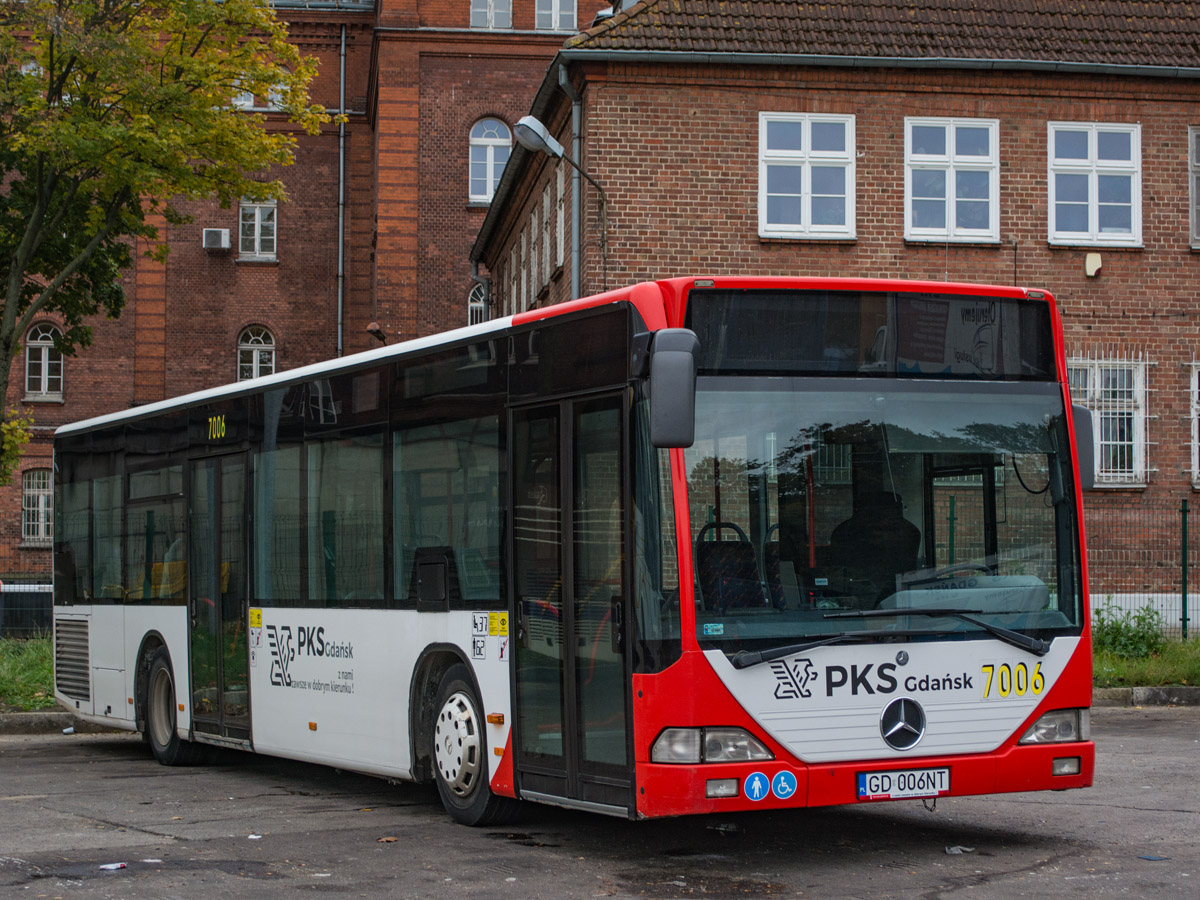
{"points": [[783, 785]]}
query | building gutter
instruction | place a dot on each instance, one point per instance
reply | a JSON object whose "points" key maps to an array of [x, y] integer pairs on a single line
{"points": [[564, 82], [876, 62]]}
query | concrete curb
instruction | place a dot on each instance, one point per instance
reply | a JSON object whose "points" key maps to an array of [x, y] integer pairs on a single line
{"points": [[46, 723], [1169, 695]]}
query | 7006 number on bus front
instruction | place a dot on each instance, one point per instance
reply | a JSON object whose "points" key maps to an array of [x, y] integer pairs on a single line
{"points": [[1006, 681]]}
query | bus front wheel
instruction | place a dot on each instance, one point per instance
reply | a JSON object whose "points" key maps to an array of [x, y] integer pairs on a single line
{"points": [[161, 731], [459, 755]]}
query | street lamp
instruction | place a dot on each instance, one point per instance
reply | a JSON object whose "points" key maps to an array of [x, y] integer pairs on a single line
{"points": [[535, 137]]}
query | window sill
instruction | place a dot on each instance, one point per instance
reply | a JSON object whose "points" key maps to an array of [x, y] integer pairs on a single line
{"points": [[1082, 245], [479, 204], [1121, 486], [807, 239], [35, 545], [257, 261], [957, 242], [43, 398]]}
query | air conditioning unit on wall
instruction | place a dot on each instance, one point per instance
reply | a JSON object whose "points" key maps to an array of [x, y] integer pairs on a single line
{"points": [[215, 239]]}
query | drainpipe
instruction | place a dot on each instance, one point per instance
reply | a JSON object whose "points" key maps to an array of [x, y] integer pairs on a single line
{"points": [[341, 221], [576, 180]]}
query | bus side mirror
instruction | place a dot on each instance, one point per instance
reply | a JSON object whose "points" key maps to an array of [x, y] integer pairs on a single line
{"points": [[673, 387], [1085, 446]]}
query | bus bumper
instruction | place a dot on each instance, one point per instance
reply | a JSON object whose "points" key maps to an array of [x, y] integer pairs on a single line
{"points": [[672, 790]]}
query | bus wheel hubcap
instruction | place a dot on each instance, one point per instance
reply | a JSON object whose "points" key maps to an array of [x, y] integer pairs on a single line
{"points": [[456, 747]]}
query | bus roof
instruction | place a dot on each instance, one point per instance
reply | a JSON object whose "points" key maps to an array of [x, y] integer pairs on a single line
{"points": [[290, 376]]}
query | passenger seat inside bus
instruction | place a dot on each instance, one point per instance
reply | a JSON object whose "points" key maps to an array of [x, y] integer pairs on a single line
{"points": [[727, 571]]}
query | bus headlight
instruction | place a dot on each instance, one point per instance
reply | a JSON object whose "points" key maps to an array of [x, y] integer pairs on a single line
{"points": [[1060, 726], [710, 745]]}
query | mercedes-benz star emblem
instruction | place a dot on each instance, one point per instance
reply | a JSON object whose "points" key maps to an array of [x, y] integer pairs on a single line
{"points": [[902, 723]]}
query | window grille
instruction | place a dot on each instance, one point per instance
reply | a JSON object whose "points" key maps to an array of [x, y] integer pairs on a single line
{"points": [[1114, 388]]}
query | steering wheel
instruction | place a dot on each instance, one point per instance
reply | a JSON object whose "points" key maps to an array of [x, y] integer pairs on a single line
{"points": [[947, 571]]}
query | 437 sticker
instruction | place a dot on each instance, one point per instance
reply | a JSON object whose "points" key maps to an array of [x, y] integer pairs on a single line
{"points": [[1012, 680]]}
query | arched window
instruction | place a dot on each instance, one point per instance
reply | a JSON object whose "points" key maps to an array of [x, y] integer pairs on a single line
{"points": [[477, 305], [491, 144], [256, 353], [43, 363]]}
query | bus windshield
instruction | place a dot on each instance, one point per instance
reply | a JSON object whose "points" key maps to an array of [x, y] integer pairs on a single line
{"points": [[815, 501]]}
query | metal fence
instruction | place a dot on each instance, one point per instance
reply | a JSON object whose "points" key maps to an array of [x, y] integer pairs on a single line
{"points": [[25, 563], [1143, 554]]}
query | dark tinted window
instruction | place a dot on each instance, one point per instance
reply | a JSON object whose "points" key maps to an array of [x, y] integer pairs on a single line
{"points": [[878, 334]]}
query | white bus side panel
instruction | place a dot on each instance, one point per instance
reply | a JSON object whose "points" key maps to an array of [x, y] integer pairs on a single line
{"points": [[115, 635], [332, 686]]}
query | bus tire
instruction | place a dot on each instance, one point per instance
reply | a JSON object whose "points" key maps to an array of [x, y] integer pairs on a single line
{"points": [[161, 731], [460, 755]]}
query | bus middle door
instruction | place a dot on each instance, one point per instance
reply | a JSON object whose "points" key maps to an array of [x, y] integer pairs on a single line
{"points": [[220, 678]]}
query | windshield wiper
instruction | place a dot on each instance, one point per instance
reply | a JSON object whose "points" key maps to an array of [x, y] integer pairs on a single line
{"points": [[1034, 645], [744, 659]]}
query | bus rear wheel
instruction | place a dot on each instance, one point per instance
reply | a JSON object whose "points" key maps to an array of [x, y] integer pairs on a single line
{"points": [[161, 731], [459, 755]]}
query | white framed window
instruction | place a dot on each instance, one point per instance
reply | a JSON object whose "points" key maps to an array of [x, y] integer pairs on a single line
{"points": [[952, 179], [43, 364], [546, 213], [491, 14], [513, 281], [1095, 184], [256, 231], [276, 94], [805, 175], [255, 353], [560, 214], [477, 305], [243, 99], [535, 240], [491, 144], [1194, 404], [554, 15], [524, 270], [1115, 391], [1194, 183], [37, 506]]}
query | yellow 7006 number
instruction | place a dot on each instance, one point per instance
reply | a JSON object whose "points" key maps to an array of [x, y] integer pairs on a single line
{"points": [[1012, 680]]}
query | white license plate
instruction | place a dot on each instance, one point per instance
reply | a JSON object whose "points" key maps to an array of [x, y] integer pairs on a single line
{"points": [[903, 783]]}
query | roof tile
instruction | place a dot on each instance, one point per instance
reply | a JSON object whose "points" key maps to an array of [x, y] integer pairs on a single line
{"points": [[1094, 32]]}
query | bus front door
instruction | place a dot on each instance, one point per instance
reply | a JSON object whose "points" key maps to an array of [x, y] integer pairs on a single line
{"points": [[217, 598], [572, 676]]}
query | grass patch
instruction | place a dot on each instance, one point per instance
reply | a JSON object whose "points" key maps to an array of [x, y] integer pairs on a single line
{"points": [[26, 674], [1178, 662]]}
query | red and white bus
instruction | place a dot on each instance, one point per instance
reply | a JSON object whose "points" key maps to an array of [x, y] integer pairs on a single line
{"points": [[697, 545]]}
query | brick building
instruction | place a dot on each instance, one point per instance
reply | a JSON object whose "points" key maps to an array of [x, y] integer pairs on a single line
{"points": [[1045, 143], [376, 228]]}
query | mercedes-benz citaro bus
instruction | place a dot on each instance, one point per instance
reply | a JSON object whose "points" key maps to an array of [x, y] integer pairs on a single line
{"points": [[696, 545]]}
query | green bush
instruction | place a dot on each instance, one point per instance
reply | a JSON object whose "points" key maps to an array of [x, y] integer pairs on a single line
{"points": [[1129, 635]]}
